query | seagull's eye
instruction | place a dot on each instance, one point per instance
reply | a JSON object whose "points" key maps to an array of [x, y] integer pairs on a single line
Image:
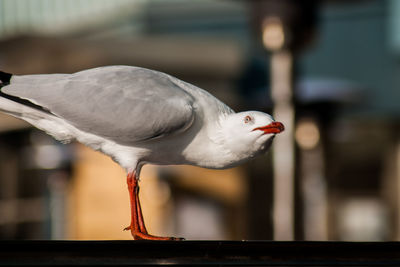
{"points": [[247, 119]]}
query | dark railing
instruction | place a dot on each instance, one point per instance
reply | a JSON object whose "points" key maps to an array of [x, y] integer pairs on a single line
{"points": [[221, 253]]}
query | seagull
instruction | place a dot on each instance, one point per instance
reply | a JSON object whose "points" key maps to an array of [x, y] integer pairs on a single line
{"points": [[138, 116]]}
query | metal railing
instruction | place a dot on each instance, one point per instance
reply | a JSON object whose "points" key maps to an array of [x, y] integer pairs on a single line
{"points": [[221, 253]]}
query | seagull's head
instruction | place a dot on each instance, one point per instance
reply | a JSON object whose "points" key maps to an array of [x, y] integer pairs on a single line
{"points": [[247, 134]]}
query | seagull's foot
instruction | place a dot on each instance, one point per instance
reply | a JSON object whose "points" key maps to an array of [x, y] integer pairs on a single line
{"points": [[142, 236], [137, 235]]}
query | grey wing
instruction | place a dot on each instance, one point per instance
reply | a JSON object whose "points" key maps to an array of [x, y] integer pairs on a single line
{"points": [[121, 103]]}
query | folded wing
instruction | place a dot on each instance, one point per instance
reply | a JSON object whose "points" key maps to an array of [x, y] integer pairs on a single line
{"points": [[121, 103]]}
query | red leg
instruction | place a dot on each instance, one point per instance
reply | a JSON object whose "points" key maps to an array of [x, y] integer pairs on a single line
{"points": [[137, 226], [132, 185], [142, 227]]}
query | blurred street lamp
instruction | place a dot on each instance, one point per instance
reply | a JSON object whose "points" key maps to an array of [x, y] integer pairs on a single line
{"points": [[283, 150], [285, 27], [307, 134], [273, 34]]}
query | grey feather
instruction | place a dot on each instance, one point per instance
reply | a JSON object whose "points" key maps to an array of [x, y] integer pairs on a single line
{"points": [[121, 103]]}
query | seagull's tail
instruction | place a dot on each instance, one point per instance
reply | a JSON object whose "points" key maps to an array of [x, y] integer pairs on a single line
{"points": [[32, 113], [15, 106], [4, 78]]}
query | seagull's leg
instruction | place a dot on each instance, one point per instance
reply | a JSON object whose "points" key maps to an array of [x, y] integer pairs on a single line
{"points": [[142, 227], [137, 227], [132, 185]]}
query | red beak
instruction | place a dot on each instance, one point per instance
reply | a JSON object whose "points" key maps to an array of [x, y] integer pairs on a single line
{"points": [[272, 128]]}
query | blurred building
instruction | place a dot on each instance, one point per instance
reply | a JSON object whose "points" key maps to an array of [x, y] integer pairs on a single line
{"points": [[347, 165]]}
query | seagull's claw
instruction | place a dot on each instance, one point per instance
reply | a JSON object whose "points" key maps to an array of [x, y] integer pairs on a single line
{"points": [[177, 238], [143, 236]]}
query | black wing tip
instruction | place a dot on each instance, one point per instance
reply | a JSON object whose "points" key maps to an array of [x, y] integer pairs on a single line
{"points": [[4, 78]]}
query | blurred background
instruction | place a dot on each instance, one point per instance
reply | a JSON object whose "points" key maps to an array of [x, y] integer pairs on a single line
{"points": [[328, 69]]}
